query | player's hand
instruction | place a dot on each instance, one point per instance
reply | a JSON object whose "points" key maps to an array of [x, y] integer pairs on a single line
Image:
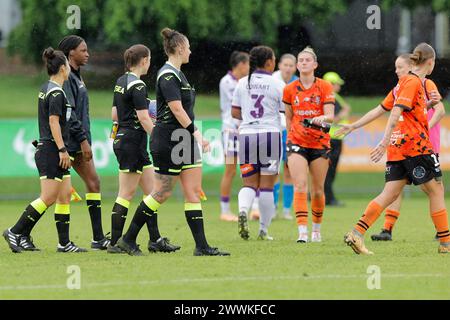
{"points": [[64, 160], [435, 98], [86, 151], [377, 153], [203, 142], [344, 130], [318, 120]]}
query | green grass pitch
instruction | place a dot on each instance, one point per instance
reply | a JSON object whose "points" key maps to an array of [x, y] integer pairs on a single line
{"points": [[282, 269], [410, 267]]}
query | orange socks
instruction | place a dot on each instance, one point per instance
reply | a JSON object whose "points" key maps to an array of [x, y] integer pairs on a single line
{"points": [[440, 221], [317, 206], [301, 208], [390, 218], [371, 214]]}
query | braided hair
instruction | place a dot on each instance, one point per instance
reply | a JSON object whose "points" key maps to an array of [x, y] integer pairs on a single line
{"points": [[69, 43], [258, 57]]}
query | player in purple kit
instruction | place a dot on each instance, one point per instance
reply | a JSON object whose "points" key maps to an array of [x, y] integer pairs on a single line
{"points": [[258, 102], [239, 62]]}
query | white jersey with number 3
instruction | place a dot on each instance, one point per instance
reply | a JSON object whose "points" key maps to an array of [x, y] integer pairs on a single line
{"points": [[260, 102]]}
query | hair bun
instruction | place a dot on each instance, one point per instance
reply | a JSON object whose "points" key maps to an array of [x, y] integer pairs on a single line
{"points": [[49, 53], [415, 56], [167, 33]]}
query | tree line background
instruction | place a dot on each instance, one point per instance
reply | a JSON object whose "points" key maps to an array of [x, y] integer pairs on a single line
{"points": [[214, 27]]}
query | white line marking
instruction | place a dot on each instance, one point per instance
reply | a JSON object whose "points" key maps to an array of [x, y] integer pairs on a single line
{"points": [[223, 279]]}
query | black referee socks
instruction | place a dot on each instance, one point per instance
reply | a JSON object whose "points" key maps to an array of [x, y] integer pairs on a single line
{"points": [[118, 217], [94, 203], [62, 219], [31, 215], [145, 213], [194, 217]]}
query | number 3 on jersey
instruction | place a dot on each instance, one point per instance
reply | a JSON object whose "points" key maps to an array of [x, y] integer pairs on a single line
{"points": [[259, 112]]}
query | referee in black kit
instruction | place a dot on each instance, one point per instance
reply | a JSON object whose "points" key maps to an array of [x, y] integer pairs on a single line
{"points": [[130, 108], [76, 51], [174, 160], [52, 161]]}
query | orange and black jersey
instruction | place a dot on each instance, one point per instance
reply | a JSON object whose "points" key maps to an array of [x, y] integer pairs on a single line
{"points": [[410, 138], [130, 94], [53, 102], [172, 85], [307, 104]]}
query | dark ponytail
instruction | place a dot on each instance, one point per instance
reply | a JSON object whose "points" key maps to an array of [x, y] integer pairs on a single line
{"points": [[53, 59], [258, 57]]}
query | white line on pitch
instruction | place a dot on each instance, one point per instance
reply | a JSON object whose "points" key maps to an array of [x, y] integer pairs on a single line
{"points": [[223, 279]]}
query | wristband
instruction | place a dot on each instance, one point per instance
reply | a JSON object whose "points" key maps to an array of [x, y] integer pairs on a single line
{"points": [[191, 128], [62, 150]]}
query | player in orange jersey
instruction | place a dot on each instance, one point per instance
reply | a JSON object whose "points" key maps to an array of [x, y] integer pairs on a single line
{"points": [[308, 98], [436, 112], [410, 156]]}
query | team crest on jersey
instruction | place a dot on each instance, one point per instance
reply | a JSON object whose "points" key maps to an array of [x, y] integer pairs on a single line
{"points": [[296, 101], [419, 172], [313, 99], [317, 99]]}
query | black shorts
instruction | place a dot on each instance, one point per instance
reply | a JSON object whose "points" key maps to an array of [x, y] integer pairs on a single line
{"points": [[47, 162], [308, 153], [130, 148], [417, 170], [174, 150]]}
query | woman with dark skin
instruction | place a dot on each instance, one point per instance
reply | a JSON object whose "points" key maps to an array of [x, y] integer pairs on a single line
{"points": [[76, 51]]}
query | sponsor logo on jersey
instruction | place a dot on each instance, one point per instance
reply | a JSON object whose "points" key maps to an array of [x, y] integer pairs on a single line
{"points": [[307, 113], [119, 89], [396, 135]]}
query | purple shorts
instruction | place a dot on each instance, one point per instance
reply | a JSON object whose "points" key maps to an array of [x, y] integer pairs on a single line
{"points": [[260, 153]]}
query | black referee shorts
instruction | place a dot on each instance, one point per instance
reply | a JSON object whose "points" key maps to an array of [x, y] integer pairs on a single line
{"points": [[130, 148], [174, 150], [47, 162]]}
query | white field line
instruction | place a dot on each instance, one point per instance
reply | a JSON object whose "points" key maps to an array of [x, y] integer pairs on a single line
{"points": [[223, 279]]}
